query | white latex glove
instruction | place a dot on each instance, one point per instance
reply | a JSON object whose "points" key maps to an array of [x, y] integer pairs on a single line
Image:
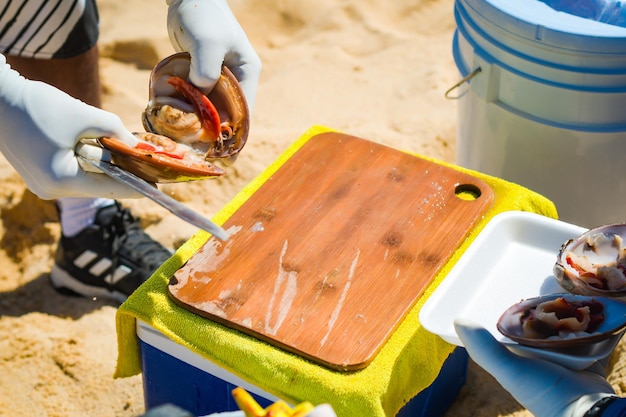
{"points": [[40, 127], [209, 31], [544, 388]]}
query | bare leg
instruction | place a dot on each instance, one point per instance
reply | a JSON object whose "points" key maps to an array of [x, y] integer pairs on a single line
{"points": [[78, 76]]}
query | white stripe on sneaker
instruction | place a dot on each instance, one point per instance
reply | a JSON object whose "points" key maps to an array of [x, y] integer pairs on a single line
{"points": [[121, 272], [100, 267], [85, 258], [61, 279]]}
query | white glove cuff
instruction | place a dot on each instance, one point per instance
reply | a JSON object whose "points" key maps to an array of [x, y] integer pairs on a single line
{"points": [[11, 83]]}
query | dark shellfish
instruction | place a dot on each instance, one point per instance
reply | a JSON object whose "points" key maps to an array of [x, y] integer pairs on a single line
{"points": [[562, 320]]}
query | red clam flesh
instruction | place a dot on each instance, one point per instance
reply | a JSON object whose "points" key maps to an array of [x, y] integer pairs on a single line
{"points": [[159, 159], [216, 124]]}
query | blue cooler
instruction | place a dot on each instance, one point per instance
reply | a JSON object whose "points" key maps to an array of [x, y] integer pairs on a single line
{"points": [[173, 374]]}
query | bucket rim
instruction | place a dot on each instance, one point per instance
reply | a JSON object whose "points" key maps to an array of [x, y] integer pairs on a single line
{"points": [[472, 32], [538, 23]]}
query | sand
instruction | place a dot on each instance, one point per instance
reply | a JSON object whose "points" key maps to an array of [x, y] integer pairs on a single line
{"points": [[371, 68]]}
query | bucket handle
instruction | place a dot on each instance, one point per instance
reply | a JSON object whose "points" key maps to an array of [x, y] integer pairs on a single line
{"points": [[463, 80]]}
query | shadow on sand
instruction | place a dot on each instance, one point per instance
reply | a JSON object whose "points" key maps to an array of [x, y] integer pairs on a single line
{"points": [[38, 295]]}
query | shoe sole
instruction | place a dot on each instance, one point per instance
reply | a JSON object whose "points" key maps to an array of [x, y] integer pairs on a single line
{"points": [[61, 280]]}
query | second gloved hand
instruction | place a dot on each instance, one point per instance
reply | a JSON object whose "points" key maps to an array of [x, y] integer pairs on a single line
{"points": [[544, 388], [209, 31], [41, 126]]}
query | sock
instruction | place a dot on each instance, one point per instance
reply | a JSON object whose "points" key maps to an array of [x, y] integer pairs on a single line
{"points": [[79, 213]]}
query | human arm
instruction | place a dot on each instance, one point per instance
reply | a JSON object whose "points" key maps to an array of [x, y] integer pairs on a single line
{"points": [[544, 388], [41, 126], [209, 31]]}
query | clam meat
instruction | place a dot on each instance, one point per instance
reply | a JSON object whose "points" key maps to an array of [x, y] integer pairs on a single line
{"points": [[594, 263], [562, 320], [187, 131], [215, 124], [159, 159]]}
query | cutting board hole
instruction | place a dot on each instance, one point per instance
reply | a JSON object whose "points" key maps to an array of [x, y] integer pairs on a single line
{"points": [[468, 192]]}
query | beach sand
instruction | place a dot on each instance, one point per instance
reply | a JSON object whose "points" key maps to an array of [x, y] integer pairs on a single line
{"points": [[370, 68]]}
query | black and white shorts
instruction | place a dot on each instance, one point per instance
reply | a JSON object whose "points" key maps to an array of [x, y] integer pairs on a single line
{"points": [[47, 29]]}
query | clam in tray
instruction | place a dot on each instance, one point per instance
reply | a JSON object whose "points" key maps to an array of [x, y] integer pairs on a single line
{"points": [[559, 321], [511, 260], [590, 268], [594, 262]]}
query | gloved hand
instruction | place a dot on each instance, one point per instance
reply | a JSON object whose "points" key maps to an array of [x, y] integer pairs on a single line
{"points": [[544, 388], [41, 126], [209, 31]]}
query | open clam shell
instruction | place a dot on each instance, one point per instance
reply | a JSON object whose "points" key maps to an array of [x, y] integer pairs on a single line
{"points": [[187, 131], [216, 124], [594, 262], [608, 317], [159, 166]]}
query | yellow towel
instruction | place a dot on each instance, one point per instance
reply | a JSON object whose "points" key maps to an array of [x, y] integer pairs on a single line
{"points": [[406, 365]]}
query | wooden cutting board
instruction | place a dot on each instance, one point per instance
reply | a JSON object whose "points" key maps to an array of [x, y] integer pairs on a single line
{"points": [[329, 254]]}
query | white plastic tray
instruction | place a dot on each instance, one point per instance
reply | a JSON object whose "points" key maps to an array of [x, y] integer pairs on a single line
{"points": [[510, 260]]}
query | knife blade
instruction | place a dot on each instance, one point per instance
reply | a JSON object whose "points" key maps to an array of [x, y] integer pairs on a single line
{"points": [[156, 195]]}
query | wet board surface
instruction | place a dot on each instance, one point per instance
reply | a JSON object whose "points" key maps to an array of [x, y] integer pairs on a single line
{"points": [[329, 254]]}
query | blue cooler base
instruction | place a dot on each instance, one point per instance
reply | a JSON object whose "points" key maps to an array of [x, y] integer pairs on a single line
{"points": [[167, 379]]}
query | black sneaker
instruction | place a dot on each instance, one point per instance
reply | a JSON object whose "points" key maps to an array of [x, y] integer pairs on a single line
{"points": [[109, 259]]}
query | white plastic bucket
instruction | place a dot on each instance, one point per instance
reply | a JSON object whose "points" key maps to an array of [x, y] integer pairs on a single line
{"points": [[544, 104]]}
